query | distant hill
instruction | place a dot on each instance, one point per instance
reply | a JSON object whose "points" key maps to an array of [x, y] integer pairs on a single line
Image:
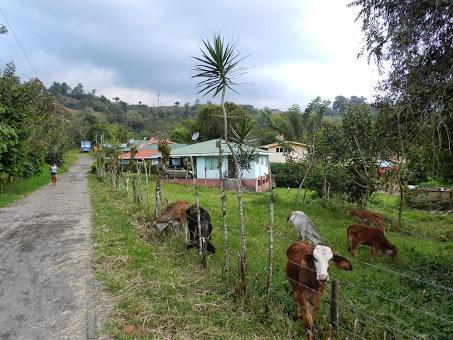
{"points": [[141, 120]]}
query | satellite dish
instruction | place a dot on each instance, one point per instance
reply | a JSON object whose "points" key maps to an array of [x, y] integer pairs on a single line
{"points": [[195, 136]]}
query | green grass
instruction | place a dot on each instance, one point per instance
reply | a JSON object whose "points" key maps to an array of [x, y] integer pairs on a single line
{"points": [[19, 188], [159, 287]]}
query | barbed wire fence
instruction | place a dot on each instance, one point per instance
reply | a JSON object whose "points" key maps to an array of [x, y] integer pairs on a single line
{"points": [[368, 318]]}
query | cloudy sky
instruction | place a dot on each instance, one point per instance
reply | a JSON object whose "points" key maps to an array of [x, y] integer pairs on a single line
{"points": [[298, 49]]}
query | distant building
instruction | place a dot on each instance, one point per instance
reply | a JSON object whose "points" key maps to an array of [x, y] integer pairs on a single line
{"points": [[282, 150], [206, 159], [147, 150]]}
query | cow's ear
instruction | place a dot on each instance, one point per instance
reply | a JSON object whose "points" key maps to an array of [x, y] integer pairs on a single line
{"points": [[342, 262]]}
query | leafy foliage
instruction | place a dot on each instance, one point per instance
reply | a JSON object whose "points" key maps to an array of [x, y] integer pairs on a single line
{"points": [[31, 128], [219, 66], [415, 38]]}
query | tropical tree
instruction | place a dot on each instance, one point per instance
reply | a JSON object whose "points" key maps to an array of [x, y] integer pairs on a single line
{"points": [[414, 40], [220, 66], [363, 150], [164, 149]]}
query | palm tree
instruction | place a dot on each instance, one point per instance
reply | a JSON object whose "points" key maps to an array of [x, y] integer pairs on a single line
{"points": [[219, 67]]}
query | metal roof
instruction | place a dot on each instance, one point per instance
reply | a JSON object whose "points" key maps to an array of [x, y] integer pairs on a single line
{"points": [[209, 148]]}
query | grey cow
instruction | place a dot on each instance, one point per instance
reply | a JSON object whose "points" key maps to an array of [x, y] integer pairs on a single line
{"points": [[304, 226]]}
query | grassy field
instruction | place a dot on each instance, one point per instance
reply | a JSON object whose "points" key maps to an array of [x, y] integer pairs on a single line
{"points": [[159, 290], [14, 191]]}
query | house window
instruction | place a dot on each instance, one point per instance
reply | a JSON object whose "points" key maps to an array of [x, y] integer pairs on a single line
{"points": [[211, 163], [279, 149]]}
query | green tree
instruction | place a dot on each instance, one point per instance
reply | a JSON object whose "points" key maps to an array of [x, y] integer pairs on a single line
{"points": [[414, 38], [31, 125], [219, 67], [78, 92], [180, 135], [363, 150]]}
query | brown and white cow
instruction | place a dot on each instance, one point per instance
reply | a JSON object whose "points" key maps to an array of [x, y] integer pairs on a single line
{"points": [[174, 214], [307, 270], [369, 236], [368, 217]]}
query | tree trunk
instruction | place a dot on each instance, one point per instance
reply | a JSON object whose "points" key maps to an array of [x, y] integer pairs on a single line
{"points": [[158, 194], [302, 183], [224, 218], [243, 256], [127, 181], [400, 210], [271, 237], [201, 241], [147, 186]]}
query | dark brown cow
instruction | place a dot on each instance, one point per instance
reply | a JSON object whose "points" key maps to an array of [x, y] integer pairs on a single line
{"points": [[368, 217], [174, 214], [369, 236], [307, 270]]}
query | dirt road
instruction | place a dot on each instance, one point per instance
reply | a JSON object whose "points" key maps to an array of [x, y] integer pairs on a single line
{"points": [[46, 286]]}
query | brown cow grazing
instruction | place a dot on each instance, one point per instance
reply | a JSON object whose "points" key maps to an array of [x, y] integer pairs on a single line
{"points": [[174, 214], [307, 270], [369, 236], [368, 217]]}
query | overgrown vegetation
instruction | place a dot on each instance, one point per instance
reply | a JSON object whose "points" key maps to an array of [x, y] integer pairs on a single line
{"points": [[160, 290], [31, 126]]}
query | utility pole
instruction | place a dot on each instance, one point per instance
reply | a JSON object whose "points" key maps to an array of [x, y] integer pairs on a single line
{"points": [[158, 97]]}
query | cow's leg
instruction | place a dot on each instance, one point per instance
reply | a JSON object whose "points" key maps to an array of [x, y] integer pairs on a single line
{"points": [[373, 251], [353, 247], [308, 320], [315, 307], [297, 308]]}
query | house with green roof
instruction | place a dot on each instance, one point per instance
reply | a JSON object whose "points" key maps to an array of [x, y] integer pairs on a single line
{"points": [[206, 159]]}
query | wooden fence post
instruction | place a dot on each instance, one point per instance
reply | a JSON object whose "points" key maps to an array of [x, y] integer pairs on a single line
{"points": [[334, 307]]}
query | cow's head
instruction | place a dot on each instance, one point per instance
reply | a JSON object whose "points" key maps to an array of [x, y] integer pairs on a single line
{"points": [[289, 217], [323, 257], [392, 251]]}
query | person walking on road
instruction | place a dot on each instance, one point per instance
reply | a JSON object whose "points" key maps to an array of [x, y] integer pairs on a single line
{"points": [[53, 173]]}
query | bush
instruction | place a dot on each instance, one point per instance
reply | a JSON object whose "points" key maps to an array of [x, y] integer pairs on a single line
{"points": [[93, 168], [288, 174], [342, 179], [55, 156]]}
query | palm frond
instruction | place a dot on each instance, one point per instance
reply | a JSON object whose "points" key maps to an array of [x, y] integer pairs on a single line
{"points": [[218, 65]]}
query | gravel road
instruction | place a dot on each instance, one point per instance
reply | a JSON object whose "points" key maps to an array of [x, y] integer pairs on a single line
{"points": [[47, 290]]}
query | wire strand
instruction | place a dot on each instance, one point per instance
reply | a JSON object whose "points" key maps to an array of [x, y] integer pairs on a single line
{"points": [[382, 296], [355, 310], [439, 286], [18, 43]]}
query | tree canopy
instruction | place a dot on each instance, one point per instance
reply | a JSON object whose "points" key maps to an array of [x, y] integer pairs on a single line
{"points": [[415, 39]]}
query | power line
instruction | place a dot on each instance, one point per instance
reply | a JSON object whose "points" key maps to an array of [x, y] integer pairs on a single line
{"points": [[396, 302], [18, 43], [437, 285], [396, 330]]}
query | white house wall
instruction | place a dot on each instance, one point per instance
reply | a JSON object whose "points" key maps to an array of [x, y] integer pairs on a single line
{"points": [[258, 168], [261, 167], [210, 174]]}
